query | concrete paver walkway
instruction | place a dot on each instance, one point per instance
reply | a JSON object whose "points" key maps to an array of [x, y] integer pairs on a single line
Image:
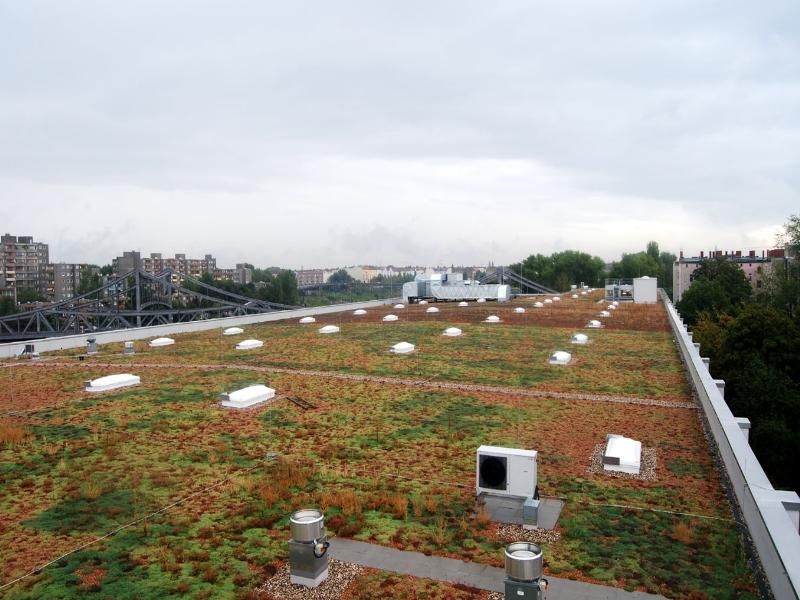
{"points": [[475, 575]]}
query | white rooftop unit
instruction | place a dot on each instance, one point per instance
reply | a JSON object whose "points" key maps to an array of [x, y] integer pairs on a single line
{"points": [[594, 324], [452, 332], [492, 319], [506, 471], [462, 303], [560, 358], [233, 331], [161, 342], [622, 454], [452, 287], [249, 344], [359, 312], [307, 320], [247, 397], [432, 309], [389, 318], [538, 305], [399, 306], [604, 314], [329, 329], [580, 338], [645, 290], [519, 310], [112, 382], [403, 348]]}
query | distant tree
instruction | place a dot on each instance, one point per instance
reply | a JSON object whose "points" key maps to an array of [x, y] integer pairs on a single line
{"points": [[719, 287], [340, 277], [25, 295], [106, 270], [90, 279], [562, 269], [790, 237], [652, 250], [7, 306], [286, 285], [636, 265]]}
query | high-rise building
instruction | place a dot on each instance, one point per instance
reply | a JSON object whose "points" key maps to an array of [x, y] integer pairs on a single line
{"points": [[180, 266], [22, 264]]}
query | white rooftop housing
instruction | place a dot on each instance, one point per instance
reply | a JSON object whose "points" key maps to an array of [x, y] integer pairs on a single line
{"points": [[403, 348], [594, 324], [492, 319], [560, 358], [160, 342], [452, 332], [645, 290], [359, 311], [307, 320], [580, 338], [432, 309], [247, 397], [388, 318], [233, 331], [249, 344], [506, 471], [329, 329], [622, 454], [519, 310], [112, 382]]}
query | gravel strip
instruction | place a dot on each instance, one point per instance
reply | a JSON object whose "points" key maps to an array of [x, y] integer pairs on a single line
{"points": [[340, 574], [426, 383], [647, 471], [510, 532]]}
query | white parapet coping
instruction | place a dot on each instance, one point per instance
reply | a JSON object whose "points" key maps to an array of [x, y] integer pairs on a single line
{"points": [[112, 382], [771, 515]]}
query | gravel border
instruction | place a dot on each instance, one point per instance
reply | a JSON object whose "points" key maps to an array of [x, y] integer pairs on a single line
{"points": [[647, 472], [340, 575], [511, 532]]}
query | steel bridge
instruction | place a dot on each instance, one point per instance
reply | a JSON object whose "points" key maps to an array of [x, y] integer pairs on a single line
{"points": [[135, 299], [506, 275]]}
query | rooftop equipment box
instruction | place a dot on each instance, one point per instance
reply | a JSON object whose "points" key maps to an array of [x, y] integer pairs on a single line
{"points": [[506, 471], [645, 290]]}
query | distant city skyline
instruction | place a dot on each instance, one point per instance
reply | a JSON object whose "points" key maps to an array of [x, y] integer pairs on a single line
{"points": [[413, 133]]}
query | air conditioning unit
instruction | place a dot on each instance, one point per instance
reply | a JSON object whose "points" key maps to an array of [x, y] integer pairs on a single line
{"points": [[506, 472]]}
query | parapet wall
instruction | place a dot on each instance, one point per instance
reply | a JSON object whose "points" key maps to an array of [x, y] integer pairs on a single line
{"points": [[123, 335], [772, 516]]}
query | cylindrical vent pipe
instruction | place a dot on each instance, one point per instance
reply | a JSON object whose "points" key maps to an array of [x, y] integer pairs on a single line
{"points": [[307, 525], [523, 561]]}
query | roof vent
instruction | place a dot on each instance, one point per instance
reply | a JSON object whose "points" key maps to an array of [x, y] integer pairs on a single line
{"points": [[112, 382], [233, 331], [249, 344], [580, 338], [403, 348], [329, 329], [560, 358], [307, 320], [160, 342], [432, 309], [452, 332], [389, 318], [359, 312]]}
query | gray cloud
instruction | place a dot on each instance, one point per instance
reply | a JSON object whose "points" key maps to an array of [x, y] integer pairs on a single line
{"points": [[282, 132]]}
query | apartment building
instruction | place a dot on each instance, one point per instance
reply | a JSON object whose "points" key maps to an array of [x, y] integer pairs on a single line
{"points": [[754, 267], [156, 263], [22, 262]]}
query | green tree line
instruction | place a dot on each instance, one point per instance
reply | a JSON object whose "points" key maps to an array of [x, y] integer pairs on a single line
{"points": [[753, 341]]}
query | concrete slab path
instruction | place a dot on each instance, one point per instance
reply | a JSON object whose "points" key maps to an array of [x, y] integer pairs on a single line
{"points": [[475, 575]]}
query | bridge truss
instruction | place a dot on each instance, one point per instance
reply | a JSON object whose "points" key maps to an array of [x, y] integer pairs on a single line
{"points": [[135, 299]]}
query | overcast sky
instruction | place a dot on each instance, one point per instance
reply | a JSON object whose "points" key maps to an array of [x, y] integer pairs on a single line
{"points": [[334, 132]]}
